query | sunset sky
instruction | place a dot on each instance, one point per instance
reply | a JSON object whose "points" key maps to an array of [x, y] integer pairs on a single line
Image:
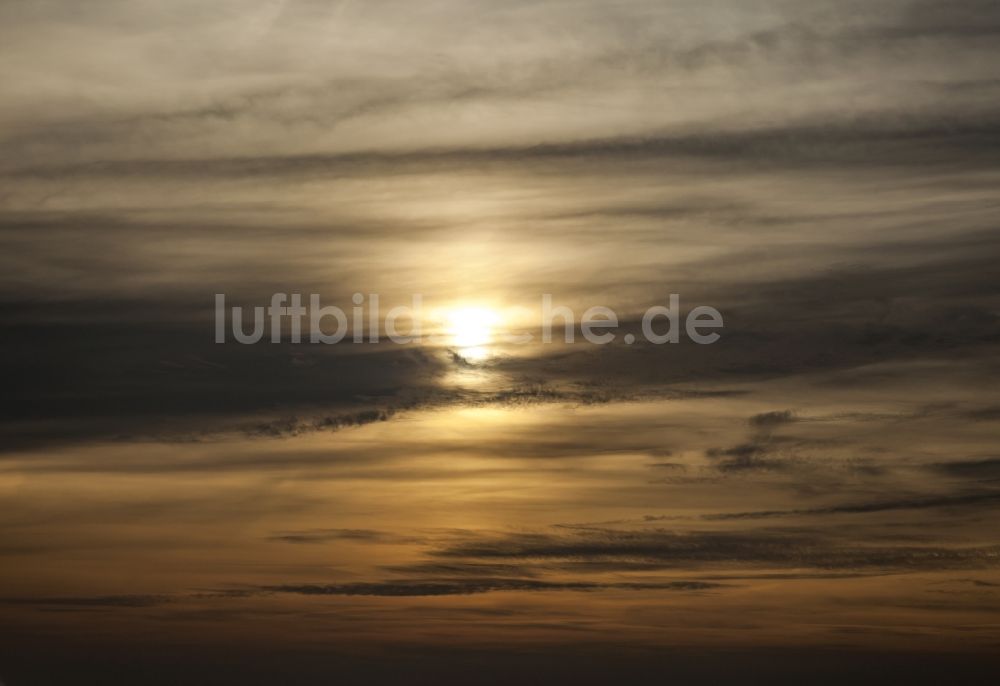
{"points": [[817, 494]]}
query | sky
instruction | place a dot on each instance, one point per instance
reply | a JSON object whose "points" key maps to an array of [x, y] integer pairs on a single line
{"points": [[813, 496]]}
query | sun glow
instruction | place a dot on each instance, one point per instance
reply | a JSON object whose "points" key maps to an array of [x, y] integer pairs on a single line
{"points": [[470, 327]]}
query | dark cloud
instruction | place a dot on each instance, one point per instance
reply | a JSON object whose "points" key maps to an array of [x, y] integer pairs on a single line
{"points": [[745, 457], [883, 141], [985, 469], [767, 420], [659, 549], [452, 569], [109, 601], [357, 535], [468, 586], [963, 19], [985, 414], [976, 500]]}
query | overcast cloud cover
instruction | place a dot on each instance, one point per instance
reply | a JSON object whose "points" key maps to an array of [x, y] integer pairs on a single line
{"points": [[824, 478]]}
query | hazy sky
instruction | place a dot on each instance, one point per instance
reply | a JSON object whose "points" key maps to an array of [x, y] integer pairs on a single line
{"points": [[824, 477]]}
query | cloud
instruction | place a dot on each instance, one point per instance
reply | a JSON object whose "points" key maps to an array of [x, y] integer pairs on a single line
{"points": [[109, 601], [356, 535], [985, 414], [767, 420], [913, 503], [659, 549], [986, 469], [484, 585], [746, 457]]}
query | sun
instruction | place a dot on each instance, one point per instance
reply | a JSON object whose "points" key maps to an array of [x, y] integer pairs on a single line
{"points": [[469, 327]]}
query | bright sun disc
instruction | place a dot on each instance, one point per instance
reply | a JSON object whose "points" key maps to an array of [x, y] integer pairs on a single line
{"points": [[471, 326]]}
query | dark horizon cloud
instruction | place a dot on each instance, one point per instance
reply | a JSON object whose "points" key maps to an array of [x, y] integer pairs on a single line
{"points": [[464, 586], [111, 601], [313, 536], [916, 503], [475, 586], [664, 549], [987, 469]]}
